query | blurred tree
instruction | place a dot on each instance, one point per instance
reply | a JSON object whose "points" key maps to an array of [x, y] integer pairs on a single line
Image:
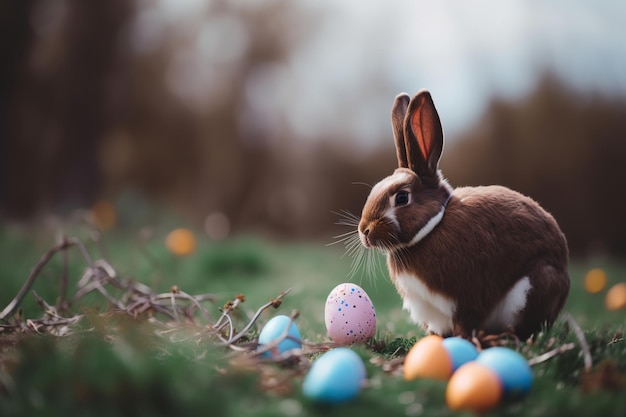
{"points": [[103, 99], [60, 107], [15, 37], [564, 148]]}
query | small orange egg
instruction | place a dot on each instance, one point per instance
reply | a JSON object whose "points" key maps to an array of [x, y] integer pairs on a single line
{"points": [[428, 358], [616, 297], [595, 280], [181, 242], [473, 387], [103, 215]]}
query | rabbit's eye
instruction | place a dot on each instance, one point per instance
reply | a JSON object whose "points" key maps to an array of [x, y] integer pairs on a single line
{"points": [[402, 198]]}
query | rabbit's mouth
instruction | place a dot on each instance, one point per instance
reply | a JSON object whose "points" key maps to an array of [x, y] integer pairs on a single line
{"points": [[372, 241], [379, 233]]}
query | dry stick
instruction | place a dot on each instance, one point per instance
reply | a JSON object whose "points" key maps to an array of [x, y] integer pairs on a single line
{"points": [[96, 269], [550, 354], [137, 287], [173, 303], [257, 314], [583, 342], [231, 327], [97, 286], [236, 348], [142, 303], [229, 307], [83, 250], [196, 302], [32, 325], [62, 245], [145, 303], [47, 308], [106, 267], [117, 303], [100, 273], [161, 309], [64, 279]]}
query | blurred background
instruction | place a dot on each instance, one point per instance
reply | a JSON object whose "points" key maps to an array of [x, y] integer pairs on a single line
{"points": [[266, 116]]}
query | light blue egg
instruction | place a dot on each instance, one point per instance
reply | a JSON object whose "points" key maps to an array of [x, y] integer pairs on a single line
{"points": [[335, 377], [511, 367], [275, 329], [461, 351]]}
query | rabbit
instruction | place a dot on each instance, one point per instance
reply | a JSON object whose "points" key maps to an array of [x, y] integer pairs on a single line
{"points": [[462, 259]]}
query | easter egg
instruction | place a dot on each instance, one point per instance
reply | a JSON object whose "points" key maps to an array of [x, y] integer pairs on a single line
{"points": [[428, 358], [595, 280], [335, 377], [349, 315], [274, 330], [460, 350], [181, 242], [474, 387], [512, 370], [616, 297], [103, 215]]}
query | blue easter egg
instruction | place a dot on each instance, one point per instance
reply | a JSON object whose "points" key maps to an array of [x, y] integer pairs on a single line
{"points": [[335, 377], [512, 369], [275, 329], [461, 351]]}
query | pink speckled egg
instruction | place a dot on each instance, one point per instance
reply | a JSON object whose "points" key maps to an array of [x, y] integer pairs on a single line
{"points": [[349, 314]]}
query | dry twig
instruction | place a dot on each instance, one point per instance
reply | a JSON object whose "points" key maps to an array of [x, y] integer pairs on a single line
{"points": [[550, 354], [124, 296], [581, 339]]}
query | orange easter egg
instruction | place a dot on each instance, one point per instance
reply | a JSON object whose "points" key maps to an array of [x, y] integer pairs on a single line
{"points": [[616, 297], [103, 215], [473, 387], [181, 242], [428, 358], [595, 280]]}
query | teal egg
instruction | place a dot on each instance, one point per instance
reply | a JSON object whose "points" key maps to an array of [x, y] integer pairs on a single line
{"points": [[335, 377], [274, 330], [512, 369], [460, 350]]}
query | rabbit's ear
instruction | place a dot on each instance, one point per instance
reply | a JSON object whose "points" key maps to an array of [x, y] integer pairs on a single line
{"points": [[398, 113], [423, 136]]}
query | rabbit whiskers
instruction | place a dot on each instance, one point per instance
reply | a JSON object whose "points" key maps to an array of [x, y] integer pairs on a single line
{"points": [[363, 259]]}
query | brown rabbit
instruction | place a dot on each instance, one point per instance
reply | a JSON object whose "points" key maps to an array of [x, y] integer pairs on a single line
{"points": [[464, 259]]}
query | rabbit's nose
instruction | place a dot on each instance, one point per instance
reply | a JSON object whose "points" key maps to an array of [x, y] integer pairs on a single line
{"points": [[364, 236]]}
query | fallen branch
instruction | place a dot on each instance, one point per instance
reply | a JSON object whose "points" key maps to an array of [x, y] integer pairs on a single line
{"points": [[550, 354], [16, 301], [135, 299], [581, 339], [272, 303]]}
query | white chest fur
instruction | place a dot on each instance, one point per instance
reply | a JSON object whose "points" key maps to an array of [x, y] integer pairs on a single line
{"points": [[436, 311], [425, 306]]}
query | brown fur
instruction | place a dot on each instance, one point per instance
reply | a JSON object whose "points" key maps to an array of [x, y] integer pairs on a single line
{"points": [[489, 238]]}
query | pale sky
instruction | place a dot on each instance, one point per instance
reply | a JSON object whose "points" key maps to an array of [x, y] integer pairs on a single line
{"points": [[463, 52]]}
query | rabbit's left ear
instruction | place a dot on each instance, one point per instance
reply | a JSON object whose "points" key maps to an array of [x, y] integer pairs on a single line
{"points": [[423, 136], [398, 114]]}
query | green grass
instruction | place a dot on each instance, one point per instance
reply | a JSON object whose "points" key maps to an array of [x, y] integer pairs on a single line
{"points": [[116, 365]]}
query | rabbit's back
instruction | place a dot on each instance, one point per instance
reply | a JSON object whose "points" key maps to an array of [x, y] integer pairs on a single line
{"points": [[490, 239]]}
